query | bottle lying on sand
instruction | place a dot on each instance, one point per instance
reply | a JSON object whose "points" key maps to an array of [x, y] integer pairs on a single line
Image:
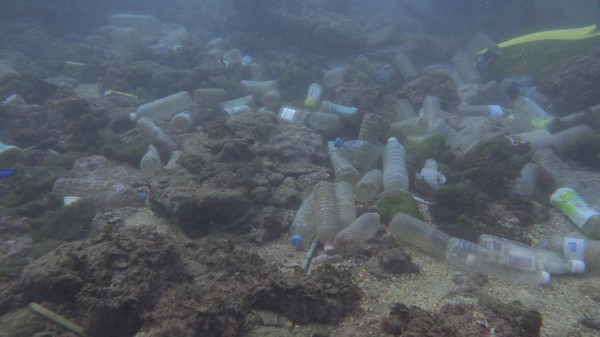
{"points": [[584, 216], [103, 193], [575, 246]]}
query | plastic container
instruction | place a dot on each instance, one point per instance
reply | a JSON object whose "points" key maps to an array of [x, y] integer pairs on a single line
{"points": [[521, 256], [326, 216], [430, 174], [537, 139], [334, 77], [325, 123], [585, 217], [464, 67], [173, 162], [232, 57], [345, 203], [348, 241], [258, 87], [236, 110], [575, 246], [537, 116], [10, 156], [369, 185], [303, 227], [547, 160], [495, 111], [363, 155], [430, 118], [290, 114], [524, 184], [469, 255], [395, 177], [183, 121], [246, 100], [314, 96], [342, 168], [419, 234], [404, 110], [370, 128], [336, 109], [154, 135], [565, 139], [207, 98], [405, 67], [147, 25], [165, 107], [150, 162], [103, 193], [271, 100]]}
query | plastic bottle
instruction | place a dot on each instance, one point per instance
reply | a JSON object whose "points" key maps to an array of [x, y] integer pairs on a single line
{"points": [[404, 110], [232, 57], [405, 66], [363, 155], [363, 63], [537, 139], [294, 115], [246, 100], [10, 156], [147, 25], [345, 203], [370, 128], [342, 168], [303, 227], [103, 193], [325, 123], [150, 163], [577, 247], [328, 224], [165, 107], [334, 77], [431, 175], [469, 255], [336, 109], [236, 110], [537, 116], [271, 100], [547, 160], [565, 139], [348, 241], [154, 135], [431, 119], [419, 234], [492, 93], [314, 96], [524, 184], [465, 69], [395, 177], [495, 111], [183, 121], [521, 256], [173, 162], [258, 87], [578, 211], [207, 98], [369, 185]]}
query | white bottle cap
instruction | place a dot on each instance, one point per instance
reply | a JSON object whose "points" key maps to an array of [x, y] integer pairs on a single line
{"points": [[392, 139], [69, 200], [182, 121], [496, 111], [543, 277], [577, 266], [133, 116]]}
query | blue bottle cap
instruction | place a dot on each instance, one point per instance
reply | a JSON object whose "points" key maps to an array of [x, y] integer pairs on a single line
{"points": [[142, 196], [6, 173], [338, 142], [297, 241]]}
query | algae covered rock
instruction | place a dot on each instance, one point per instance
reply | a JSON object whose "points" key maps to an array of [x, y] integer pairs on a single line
{"points": [[400, 202], [69, 222]]}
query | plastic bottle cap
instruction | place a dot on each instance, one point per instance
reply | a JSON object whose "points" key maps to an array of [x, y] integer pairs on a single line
{"points": [[133, 116], [142, 196], [577, 266], [544, 277], [338, 142], [392, 139], [328, 248], [297, 241]]}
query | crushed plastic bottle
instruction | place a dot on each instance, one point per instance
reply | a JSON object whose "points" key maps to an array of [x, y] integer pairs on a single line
{"points": [[348, 241]]}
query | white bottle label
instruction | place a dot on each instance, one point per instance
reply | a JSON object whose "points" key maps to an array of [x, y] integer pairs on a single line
{"points": [[287, 114], [573, 248], [571, 204]]}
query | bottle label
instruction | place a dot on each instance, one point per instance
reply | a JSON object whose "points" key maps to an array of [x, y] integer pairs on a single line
{"points": [[287, 114], [344, 110], [314, 96], [573, 248], [571, 204]]}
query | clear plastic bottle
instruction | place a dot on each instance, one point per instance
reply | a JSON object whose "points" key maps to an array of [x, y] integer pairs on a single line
{"points": [[294, 115], [303, 227], [153, 134], [271, 100], [147, 25], [431, 119], [165, 107], [578, 211], [184, 120], [465, 69], [537, 139], [173, 162], [577, 247], [395, 177], [345, 203], [103, 193], [431, 175], [150, 162], [363, 155], [258, 87], [336, 109], [370, 128], [547, 160], [369, 185], [365, 65], [10, 156], [404, 110], [405, 66], [521, 256], [236, 110], [326, 215], [315, 91], [524, 184], [527, 108], [342, 168], [334, 77], [208, 98], [348, 241], [246, 100], [495, 111], [566, 138], [469, 255], [419, 234]]}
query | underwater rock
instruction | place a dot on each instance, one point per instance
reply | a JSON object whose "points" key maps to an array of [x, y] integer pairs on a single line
{"points": [[391, 261], [437, 85]]}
